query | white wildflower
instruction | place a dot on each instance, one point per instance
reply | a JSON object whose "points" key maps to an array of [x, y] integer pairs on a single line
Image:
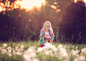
{"points": [[75, 52], [44, 48], [83, 50], [13, 52], [30, 50], [9, 54], [80, 58], [33, 54], [9, 49], [47, 53], [30, 56], [32, 47], [64, 55], [3, 51], [76, 48], [16, 48], [26, 52], [55, 53], [54, 48], [35, 59], [22, 47], [1, 48], [52, 55], [4, 45], [76, 59], [60, 46], [48, 45], [40, 49], [27, 57]]}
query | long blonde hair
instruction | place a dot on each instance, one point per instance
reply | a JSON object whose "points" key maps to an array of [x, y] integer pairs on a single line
{"points": [[47, 23]]}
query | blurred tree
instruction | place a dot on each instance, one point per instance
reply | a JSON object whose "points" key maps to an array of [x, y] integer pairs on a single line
{"points": [[24, 24], [11, 1], [59, 4], [73, 25], [15, 24], [7, 0], [53, 11], [5, 28]]}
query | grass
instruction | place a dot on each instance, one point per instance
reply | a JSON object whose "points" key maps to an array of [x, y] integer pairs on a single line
{"points": [[4, 57]]}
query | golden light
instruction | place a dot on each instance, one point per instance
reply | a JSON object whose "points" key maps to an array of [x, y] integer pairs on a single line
{"points": [[55, 3], [0, 9], [29, 20], [80, 0], [58, 10], [18, 2], [85, 1], [75, 1], [54, 7], [29, 4], [2, 4]]}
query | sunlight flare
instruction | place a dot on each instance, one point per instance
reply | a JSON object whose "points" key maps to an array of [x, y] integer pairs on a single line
{"points": [[85, 1], [75, 1], [29, 4], [0, 9]]}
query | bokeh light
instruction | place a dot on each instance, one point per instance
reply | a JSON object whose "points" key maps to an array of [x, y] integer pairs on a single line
{"points": [[29, 4]]}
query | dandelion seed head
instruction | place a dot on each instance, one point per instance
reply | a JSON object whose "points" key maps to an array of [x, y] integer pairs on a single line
{"points": [[3, 51], [83, 50], [60, 46], [4, 45]]}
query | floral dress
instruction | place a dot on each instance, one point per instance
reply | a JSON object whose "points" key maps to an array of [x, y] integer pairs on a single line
{"points": [[43, 40]]}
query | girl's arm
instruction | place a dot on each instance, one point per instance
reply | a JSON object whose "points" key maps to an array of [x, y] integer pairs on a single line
{"points": [[42, 34]]}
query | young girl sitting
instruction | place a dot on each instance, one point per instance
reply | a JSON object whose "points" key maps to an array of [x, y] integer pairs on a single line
{"points": [[46, 34]]}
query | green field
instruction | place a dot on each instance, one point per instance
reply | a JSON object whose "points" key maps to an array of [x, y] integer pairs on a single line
{"points": [[29, 51]]}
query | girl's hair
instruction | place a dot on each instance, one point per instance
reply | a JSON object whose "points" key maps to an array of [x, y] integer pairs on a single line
{"points": [[47, 23]]}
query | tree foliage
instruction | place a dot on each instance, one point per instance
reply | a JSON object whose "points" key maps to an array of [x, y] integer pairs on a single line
{"points": [[73, 25], [23, 24]]}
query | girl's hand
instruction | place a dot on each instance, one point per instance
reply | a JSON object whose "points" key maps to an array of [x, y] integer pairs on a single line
{"points": [[45, 36], [48, 37]]}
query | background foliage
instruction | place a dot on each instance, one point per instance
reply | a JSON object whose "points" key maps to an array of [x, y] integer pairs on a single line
{"points": [[68, 23]]}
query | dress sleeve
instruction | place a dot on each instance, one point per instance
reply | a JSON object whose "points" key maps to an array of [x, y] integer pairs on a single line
{"points": [[52, 37], [41, 41], [42, 34]]}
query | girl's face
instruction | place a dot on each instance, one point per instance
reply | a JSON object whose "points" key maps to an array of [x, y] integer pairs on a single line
{"points": [[48, 28]]}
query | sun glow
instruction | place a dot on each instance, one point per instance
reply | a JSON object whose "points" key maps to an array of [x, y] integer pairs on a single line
{"points": [[80, 0], [85, 1], [0, 9], [29, 4]]}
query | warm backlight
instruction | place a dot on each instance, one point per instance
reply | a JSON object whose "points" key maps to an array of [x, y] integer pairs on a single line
{"points": [[29, 4], [85, 1], [0, 9], [80, 0]]}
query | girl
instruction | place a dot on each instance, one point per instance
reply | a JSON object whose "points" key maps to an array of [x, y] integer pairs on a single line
{"points": [[46, 34]]}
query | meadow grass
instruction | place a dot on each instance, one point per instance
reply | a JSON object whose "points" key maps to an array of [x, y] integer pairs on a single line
{"points": [[4, 57]]}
